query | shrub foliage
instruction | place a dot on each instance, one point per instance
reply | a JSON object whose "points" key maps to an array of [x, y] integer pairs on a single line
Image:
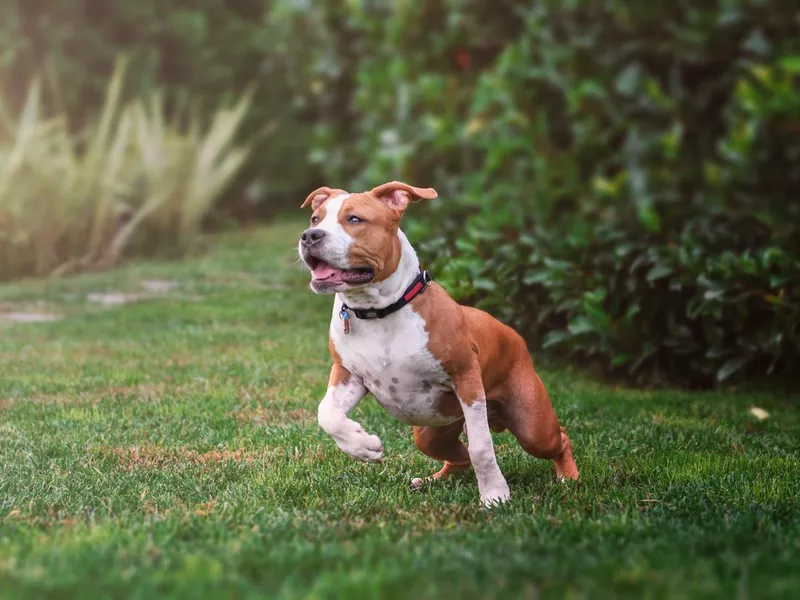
{"points": [[620, 180], [205, 50], [133, 182]]}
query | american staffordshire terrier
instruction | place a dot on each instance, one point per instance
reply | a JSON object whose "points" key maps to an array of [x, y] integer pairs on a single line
{"points": [[427, 360]]}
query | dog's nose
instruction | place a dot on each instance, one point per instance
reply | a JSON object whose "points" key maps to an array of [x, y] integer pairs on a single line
{"points": [[312, 236]]}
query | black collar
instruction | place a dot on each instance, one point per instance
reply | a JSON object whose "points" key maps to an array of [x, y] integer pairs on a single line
{"points": [[419, 285]]}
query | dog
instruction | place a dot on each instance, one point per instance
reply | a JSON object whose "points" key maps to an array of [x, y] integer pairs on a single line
{"points": [[428, 361]]}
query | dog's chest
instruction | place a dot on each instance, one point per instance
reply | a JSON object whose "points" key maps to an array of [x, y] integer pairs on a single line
{"points": [[391, 356]]}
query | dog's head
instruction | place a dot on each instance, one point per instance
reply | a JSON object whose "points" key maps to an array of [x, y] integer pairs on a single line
{"points": [[353, 239]]}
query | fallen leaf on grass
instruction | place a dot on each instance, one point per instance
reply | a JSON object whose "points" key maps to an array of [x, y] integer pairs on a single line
{"points": [[158, 286], [204, 509]]}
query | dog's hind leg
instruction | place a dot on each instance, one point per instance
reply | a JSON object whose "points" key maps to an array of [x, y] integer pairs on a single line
{"points": [[442, 443], [534, 423]]}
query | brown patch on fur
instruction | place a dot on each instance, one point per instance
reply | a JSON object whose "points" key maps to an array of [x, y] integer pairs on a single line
{"points": [[476, 350], [442, 443], [319, 196], [487, 359], [397, 194], [496, 414], [448, 405], [564, 461], [375, 241], [339, 375], [319, 214], [445, 472]]}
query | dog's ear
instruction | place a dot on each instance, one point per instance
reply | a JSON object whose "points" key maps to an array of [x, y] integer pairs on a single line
{"points": [[318, 197], [397, 195]]}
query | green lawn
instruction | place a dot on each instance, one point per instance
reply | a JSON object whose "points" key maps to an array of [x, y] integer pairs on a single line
{"points": [[169, 447]]}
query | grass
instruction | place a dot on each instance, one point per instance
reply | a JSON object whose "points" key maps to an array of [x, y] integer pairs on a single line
{"points": [[168, 448]]}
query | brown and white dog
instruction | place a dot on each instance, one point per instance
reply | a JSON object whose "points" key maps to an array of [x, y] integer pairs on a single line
{"points": [[428, 361]]}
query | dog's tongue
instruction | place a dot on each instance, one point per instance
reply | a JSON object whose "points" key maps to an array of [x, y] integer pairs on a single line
{"points": [[326, 272]]}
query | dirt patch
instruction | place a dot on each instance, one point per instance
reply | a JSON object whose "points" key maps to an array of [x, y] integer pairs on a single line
{"points": [[51, 519], [153, 288], [30, 317], [269, 415], [156, 456], [29, 312], [151, 392], [158, 286], [116, 298], [50, 400]]}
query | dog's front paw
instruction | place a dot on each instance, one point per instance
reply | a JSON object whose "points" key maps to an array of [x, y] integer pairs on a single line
{"points": [[495, 495], [362, 446]]}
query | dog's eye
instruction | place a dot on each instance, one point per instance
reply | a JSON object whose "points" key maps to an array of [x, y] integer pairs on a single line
{"points": [[354, 219], [315, 219]]}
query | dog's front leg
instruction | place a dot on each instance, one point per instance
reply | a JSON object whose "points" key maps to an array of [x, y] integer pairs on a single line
{"points": [[491, 483], [345, 390]]}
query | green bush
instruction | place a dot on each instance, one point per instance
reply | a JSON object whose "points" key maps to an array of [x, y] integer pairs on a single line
{"points": [[130, 182], [619, 180]]}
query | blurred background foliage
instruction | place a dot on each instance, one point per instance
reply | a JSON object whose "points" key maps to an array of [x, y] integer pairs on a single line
{"points": [[619, 180]]}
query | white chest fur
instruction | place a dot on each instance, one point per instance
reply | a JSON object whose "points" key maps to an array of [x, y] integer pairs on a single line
{"points": [[391, 356]]}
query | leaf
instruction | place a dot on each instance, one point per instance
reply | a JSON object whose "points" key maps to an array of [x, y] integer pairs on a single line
{"points": [[717, 352], [632, 311], [730, 367], [599, 317], [484, 284], [562, 265], [757, 43], [629, 80], [649, 217], [555, 337], [533, 277], [580, 325], [474, 126], [620, 359], [791, 64], [466, 245], [659, 272]]}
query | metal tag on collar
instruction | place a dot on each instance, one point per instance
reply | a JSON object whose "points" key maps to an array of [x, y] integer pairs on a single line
{"points": [[344, 315]]}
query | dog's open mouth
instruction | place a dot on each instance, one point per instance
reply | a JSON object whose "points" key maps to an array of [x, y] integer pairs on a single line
{"points": [[324, 273]]}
